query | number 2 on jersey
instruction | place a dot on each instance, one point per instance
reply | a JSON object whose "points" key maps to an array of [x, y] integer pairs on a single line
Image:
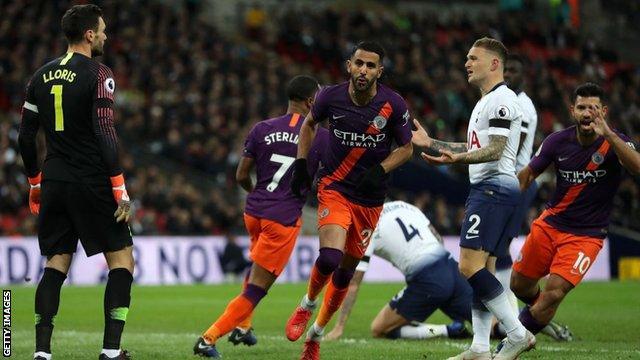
{"points": [[285, 163], [408, 235], [56, 91]]}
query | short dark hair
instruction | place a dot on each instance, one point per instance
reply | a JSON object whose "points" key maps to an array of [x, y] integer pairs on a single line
{"points": [[494, 45], [78, 19], [301, 88], [371, 46], [588, 89]]}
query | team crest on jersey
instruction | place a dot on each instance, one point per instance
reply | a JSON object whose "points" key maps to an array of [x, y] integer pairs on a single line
{"points": [[324, 213], [519, 258], [597, 158], [110, 85], [502, 112], [379, 122]]}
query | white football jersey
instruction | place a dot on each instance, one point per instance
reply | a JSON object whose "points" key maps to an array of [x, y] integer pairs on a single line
{"points": [[529, 124], [403, 238], [497, 113]]}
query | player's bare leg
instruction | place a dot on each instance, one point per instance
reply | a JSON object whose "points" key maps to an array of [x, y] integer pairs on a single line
{"points": [[117, 297], [47, 301], [541, 312], [332, 242], [259, 282], [386, 321]]}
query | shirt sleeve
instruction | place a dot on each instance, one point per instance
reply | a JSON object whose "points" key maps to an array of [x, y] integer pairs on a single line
{"points": [[543, 157], [320, 105], [401, 122], [104, 120], [504, 114], [251, 144], [29, 126]]}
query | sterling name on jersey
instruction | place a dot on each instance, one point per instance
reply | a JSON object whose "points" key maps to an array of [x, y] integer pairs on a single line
{"points": [[403, 238], [529, 125], [497, 113], [273, 145], [359, 137]]}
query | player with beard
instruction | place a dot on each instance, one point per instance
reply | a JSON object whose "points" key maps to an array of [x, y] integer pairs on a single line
{"points": [[80, 192], [365, 119], [590, 161]]}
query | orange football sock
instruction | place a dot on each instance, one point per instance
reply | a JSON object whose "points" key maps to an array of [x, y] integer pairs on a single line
{"points": [[246, 323], [317, 281], [237, 310], [331, 303]]}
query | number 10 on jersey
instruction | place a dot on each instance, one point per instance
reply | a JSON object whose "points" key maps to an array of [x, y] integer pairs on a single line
{"points": [[56, 91]]}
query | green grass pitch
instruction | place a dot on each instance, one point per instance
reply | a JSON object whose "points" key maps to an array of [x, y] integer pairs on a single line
{"points": [[164, 322]]}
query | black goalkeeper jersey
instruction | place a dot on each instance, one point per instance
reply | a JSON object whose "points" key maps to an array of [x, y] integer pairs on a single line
{"points": [[71, 98]]}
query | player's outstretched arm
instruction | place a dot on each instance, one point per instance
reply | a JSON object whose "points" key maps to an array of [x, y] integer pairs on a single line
{"points": [[626, 152], [422, 139], [491, 152], [346, 307], [243, 173]]}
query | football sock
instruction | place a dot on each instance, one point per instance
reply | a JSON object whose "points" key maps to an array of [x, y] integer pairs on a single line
{"points": [[112, 353], [246, 323], [46, 307], [489, 290], [504, 276], [237, 310], [336, 292], [422, 331], [315, 332], [481, 319], [117, 297], [325, 264]]}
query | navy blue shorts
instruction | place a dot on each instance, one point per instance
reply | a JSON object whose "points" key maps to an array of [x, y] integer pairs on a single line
{"points": [[487, 214], [436, 286], [504, 257]]}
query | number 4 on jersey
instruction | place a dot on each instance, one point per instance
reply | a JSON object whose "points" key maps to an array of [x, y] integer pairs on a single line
{"points": [[408, 235]]}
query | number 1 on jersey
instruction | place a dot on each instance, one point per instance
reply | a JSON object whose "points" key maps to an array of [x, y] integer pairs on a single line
{"points": [[56, 91], [285, 163]]}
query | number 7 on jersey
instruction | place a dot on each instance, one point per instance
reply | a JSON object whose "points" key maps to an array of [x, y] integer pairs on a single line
{"points": [[285, 163]]}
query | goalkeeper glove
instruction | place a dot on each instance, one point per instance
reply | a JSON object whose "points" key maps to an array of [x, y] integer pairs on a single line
{"points": [[122, 198], [34, 193], [371, 180], [301, 179]]}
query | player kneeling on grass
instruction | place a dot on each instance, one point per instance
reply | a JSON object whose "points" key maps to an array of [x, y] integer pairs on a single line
{"points": [[272, 212], [405, 237]]}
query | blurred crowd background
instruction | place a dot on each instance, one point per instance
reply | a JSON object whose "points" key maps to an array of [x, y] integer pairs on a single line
{"points": [[192, 78]]}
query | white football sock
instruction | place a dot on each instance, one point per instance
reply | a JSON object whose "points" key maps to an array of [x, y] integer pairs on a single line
{"points": [[315, 332], [501, 308], [504, 276], [423, 331], [481, 321]]}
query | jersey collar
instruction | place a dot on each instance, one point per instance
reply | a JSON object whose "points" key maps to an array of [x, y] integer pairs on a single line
{"points": [[497, 86]]}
